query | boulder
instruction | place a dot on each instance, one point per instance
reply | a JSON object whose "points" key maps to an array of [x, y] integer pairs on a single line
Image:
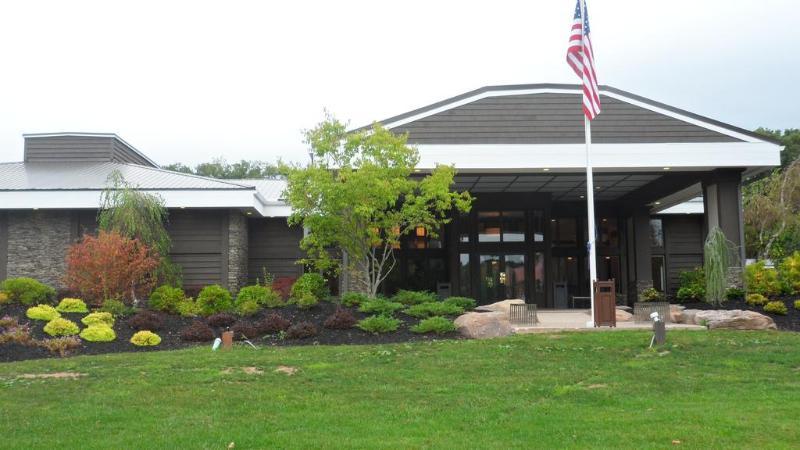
{"points": [[624, 316], [735, 319], [503, 306], [483, 325], [676, 313], [687, 316]]}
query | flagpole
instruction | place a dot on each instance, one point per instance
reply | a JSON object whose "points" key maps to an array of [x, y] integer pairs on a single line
{"points": [[590, 216]]}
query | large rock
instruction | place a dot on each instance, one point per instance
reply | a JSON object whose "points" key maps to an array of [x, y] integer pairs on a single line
{"points": [[503, 306], [687, 316], [676, 313], [735, 319], [483, 325], [624, 316]]}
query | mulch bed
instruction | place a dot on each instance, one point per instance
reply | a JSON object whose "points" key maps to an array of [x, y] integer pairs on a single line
{"points": [[789, 322], [170, 333]]}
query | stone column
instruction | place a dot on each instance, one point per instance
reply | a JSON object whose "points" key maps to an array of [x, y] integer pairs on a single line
{"points": [[37, 245], [643, 257], [237, 250], [722, 200]]}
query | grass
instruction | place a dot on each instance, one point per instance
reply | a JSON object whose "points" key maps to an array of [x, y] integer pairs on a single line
{"points": [[704, 389]]}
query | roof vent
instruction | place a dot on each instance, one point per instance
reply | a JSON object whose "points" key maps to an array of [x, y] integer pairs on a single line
{"points": [[82, 147]]}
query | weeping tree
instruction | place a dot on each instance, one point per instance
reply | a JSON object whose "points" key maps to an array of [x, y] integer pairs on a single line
{"points": [[718, 256], [140, 215], [358, 195]]}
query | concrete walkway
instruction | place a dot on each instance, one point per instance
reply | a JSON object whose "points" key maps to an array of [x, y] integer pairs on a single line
{"points": [[553, 320]]}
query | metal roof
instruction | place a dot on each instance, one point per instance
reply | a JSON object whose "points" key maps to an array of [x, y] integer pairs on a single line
{"points": [[93, 176], [270, 189]]}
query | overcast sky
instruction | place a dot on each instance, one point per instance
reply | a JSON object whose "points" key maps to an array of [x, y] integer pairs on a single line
{"points": [[190, 81]]}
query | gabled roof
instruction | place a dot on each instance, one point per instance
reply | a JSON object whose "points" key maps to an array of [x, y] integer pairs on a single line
{"points": [[270, 189]]}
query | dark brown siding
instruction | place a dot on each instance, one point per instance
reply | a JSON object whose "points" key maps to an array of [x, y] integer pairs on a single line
{"points": [[123, 153], [273, 247], [3, 246], [198, 245], [683, 240], [551, 119], [68, 149]]}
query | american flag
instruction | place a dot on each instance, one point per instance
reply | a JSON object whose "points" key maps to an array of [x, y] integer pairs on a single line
{"points": [[581, 58]]}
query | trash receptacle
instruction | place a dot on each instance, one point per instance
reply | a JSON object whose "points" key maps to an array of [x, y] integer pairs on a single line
{"points": [[605, 304]]}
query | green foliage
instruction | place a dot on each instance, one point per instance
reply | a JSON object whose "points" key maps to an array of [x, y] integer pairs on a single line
{"points": [[166, 298], [145, 338], [262, 295], [138, 215], [414, 297], [431, 309], [692, 285], [761, 280], [99, 318], [797, 304], [72, 305], [306, 301], [188, 308], [716, 251], [4, 298], [98, 333], [789, 139], [116, 307], [437, 324], [214, 299], [219, 168], [310, 284], [42, 312], [776, 307], [789, 273], [247, 307], [379, 324], [27, 291], [354, 298], [61, 327], [651, 295], [756, 300], [464, 302], [358, 195], [380, 306], [734, 293]]}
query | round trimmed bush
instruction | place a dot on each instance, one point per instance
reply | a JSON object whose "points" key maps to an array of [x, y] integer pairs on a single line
{"points": [[756, 300], [166, 298], [145, 338], [214, 299], [146, 320], [99, 318], [274, 323], [221, 320], [188, 308], [72, 305], [776, 307], [341, 319], [4, 298], [301, 330], [98, 333], [115, 307], [797, 304], [42, 312], [380, 306], [247, 308], [27, 291], [306, 301], [379, 324], [354, 298], [197, 332], [61, 327], [262, 295], [310, 283], [438, 325]]}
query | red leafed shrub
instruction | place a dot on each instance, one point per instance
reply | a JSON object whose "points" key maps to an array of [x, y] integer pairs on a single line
{"points": [[283, 286], [245, 330], [110, 266], [221, 320], [273, 323], [146, 320], [197, 332], [341, 319], [302, 330]]}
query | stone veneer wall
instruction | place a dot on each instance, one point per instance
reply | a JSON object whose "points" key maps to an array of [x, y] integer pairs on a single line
{"points": [[38, 243], [237, 251]]}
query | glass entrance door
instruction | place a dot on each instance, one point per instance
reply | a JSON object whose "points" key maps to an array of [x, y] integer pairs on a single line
{"points": [[501, 277]]}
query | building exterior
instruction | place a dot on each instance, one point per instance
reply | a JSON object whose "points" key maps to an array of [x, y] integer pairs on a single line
{"points": [[663, 178]]}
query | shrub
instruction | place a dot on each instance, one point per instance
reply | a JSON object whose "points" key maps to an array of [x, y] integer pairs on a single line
{"points": [[354, 298], [380, 306], [98, 333], [283, 286], [433, 309], [734, 293], [309, 283], [61, 327], [761, 280], [789, 273], [414, 297], [797, 304], [247, 308], [72, 305], [221, 320], [17, 334], [776, 307], [301, 330], [214, 299], [262, 295], [27, 291], [8, 322], [115, 307], [42, 312], [197, 332], [246, 330], [188, 308], [464, 302], [341, 319], [4, 298], [146, 320], [99, 318], [438, 325], [756, 300], [273, 323], [378, 324], [690, 294], [692, 285], [166, 298], [145, 338], [110, 266], [306, 301], [62, 346], [652, 295]]}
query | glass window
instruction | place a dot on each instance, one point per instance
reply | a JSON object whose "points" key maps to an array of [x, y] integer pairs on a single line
{"points": [[436, 273], [464, 280], [463, 227], [515, 276], [608, 269], [608, 232], [659, 273], [418, 238], [538, 272], [537, 223], [489, 226], [513, 226], [491, 278], [415, 276], [656, 233], [564, 232]]}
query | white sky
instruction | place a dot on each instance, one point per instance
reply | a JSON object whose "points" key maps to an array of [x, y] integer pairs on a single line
{"points": [[189, 81]]}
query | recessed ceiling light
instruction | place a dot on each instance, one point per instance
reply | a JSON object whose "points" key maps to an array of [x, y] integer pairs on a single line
{"points": [[666, 168], [597, 188], [546, 169], [249, 213], [658, 203], [583, 196]]}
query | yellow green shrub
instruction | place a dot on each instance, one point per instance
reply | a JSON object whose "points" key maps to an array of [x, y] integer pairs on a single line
{"points": [[99, 318], [756, 300], [98, 333], [72, 305], [145, 339], [61, 327], [4, 298], [776, 307], [42, 312]]}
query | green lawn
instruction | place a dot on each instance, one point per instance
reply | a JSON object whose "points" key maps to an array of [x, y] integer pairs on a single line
{"points": [[704, 389]]}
